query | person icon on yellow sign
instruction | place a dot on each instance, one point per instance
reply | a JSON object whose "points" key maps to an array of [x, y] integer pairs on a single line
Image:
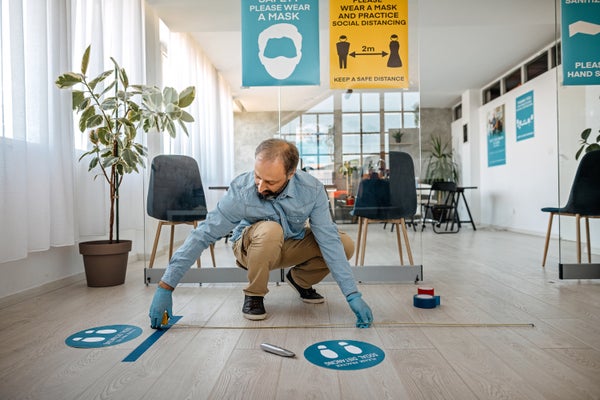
{"points": [[394, 60], [343, 48]]}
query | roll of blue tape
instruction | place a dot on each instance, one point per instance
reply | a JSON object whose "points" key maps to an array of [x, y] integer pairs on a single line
{"points": [[425, 301]]}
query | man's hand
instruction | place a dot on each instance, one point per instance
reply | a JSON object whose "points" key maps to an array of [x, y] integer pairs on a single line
{"points": [[364, 315], [162, 301]]}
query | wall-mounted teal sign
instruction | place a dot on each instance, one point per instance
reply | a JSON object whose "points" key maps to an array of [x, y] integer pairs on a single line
{"points": [[344, 354], [496, 137], [580, 34], [524, 118], [280, 42]]}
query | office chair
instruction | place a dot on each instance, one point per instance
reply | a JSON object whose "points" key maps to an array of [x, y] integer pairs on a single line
{"points": [[441, 208], [390, 200], [175, 197], [583, 202]]}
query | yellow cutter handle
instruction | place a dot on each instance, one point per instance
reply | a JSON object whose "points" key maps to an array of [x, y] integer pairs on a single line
{"points": [[165, 319]]}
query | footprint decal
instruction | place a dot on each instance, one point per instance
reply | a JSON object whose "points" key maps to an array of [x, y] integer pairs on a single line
{"points": [[325, 352], [103, 336], [344, 355], [350, 348]]}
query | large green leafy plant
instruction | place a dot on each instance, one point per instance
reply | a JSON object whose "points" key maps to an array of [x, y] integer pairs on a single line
{"points": [[585, 145], [440, 165], [113, 111]]}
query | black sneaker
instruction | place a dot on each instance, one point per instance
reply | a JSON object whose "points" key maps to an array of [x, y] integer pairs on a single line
{"points": [[309, 295], [254, 308]]}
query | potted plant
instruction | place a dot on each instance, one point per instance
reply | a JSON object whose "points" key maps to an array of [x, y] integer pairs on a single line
{"points": [[348, 170], [113, 112], [585, 145], [440, 164], [397, 134]]}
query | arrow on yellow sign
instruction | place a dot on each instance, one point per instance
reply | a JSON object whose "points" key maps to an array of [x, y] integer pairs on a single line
{"points": [[382, 54]]}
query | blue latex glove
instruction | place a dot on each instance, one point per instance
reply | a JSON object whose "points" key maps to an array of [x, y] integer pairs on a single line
{"points": [[364, 315], [162, 301]]}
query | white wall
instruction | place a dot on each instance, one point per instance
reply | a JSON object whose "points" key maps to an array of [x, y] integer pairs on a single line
{"points": [[511, 196], [40, 268]]}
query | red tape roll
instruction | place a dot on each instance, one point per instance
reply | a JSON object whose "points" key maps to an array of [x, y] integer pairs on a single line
{"points": [[425, 290]]}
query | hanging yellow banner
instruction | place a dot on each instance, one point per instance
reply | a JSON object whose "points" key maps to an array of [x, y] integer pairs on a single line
{"points": [[368, 44]]}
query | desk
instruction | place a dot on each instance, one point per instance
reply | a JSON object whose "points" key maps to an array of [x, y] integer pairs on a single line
{"points": [[461, 194]]}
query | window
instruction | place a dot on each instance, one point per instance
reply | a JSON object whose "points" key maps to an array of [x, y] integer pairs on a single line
{"points": [[491, 92], [457, 112], [366, 118], [512, 80], [555, 55], [536, 67]]}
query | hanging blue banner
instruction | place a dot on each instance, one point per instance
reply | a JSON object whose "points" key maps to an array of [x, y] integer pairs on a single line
{"points": [[580, 34], [280, 42], [524, 118]]}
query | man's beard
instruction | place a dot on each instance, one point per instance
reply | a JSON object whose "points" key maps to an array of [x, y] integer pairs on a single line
{"points": [[270, 195]]}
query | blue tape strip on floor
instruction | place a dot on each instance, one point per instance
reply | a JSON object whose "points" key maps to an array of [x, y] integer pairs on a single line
{"points": [[145, 345]]}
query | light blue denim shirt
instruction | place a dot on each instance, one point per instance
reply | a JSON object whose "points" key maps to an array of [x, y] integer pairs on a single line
{"points": [[304, 199]]}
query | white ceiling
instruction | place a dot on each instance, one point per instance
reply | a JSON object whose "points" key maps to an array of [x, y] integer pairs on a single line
{"points": [[461, 44]]}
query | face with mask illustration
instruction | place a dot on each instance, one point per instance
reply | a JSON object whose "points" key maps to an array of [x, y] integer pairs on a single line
{"points": [[280, 67]]}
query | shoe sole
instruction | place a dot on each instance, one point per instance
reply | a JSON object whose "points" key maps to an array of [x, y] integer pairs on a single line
{"points": [[309, 301], [255, 317]]}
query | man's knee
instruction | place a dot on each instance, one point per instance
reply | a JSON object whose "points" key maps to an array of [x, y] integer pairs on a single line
{"points": [[348, 244], [267, 231]]}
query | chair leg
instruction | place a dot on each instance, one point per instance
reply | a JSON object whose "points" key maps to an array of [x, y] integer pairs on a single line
{"points": [[578, 236], [155, 246], [363, 245], [405, 233], [212, 255], [358, 239], [587, 233], [171, 240], [399, 242], [547, 239], [198, 261]]}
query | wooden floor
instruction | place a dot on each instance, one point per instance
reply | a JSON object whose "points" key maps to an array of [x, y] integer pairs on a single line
{"points": [[482, 277]]}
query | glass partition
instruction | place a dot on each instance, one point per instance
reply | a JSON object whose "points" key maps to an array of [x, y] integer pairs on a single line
{"points": [[578, 102], [344, 138]]}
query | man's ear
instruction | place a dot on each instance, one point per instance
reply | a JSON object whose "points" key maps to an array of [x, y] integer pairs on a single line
{"points": [[291, 174]]}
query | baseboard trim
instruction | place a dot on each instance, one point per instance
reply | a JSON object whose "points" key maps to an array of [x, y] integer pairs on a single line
{"points": [[13, 299]]}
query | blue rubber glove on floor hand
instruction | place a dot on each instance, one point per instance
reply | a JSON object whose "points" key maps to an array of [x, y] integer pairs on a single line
{"points": [[364, 315], [162, 301]]}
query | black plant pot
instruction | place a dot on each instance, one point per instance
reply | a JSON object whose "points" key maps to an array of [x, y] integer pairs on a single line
{"points": [[105, 262]]}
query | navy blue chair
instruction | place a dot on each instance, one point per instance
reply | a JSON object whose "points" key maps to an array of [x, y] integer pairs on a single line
{"points": [[175, 196], [583, 202], [390, 200]]}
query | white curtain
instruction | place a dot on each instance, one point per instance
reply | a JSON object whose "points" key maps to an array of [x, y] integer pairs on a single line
{"points": [[47, 197], [210, 139], [36, 143]]}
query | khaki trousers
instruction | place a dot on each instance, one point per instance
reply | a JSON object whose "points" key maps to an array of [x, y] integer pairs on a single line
{"points": [[262, 249]]}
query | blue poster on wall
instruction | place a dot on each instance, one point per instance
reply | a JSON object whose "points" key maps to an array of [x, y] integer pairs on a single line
{"points": [[280, 42], [524, 118], [580, 34], [496, 137]]}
